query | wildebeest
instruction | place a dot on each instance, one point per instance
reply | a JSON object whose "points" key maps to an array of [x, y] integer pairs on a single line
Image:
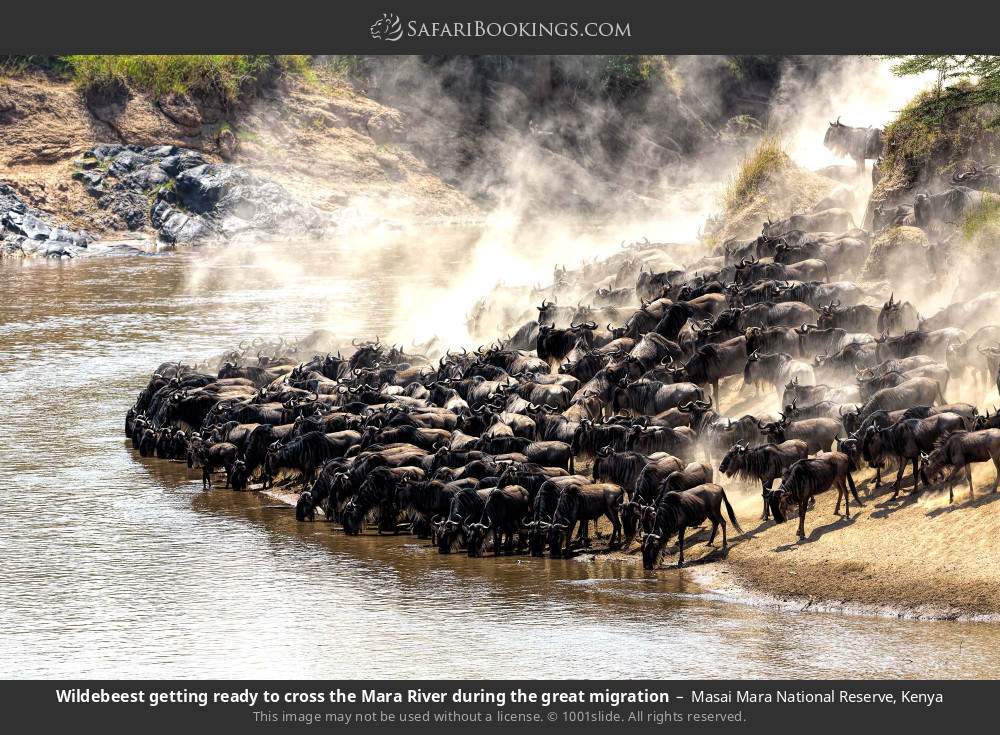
{"points": [[305, 508], [818, 433], [582, 504], [466, 504], [676, 512], [828, 220], [214, 457], [857, 318], [503, 513], [650, 397], [913, 392], [906, 441], [897, 317], [858, 143], [958, 451], [306, 453], [776, 369], [763, 464], [809, 477]]}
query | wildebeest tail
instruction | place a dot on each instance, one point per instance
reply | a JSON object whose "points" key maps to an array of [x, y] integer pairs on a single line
{"points": [[854, 488], [732, 516]]}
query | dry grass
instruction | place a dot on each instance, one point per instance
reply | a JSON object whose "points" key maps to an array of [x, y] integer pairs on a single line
{"points": [[755, 172]]}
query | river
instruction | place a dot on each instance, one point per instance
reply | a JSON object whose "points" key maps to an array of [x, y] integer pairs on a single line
{"points": [[115, 566]]}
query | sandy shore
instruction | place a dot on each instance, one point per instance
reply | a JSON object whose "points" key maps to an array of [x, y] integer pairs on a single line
{"points": [[914, 557]]}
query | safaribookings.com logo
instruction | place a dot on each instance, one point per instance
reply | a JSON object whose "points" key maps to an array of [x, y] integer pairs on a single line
{"points": [[390, 28], [387, 28]]}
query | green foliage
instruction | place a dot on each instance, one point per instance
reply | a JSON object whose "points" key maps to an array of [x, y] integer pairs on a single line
{"points": [[344, 65], [759, 66], [624, 75], [763, 162], [225, 75], [16, 64], [946, 126], [978, 77], [984, 219]]}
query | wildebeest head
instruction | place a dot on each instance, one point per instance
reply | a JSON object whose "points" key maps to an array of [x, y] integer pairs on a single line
{"points": [[475, 537], [851, 419], [238, 475], [732, 462], [667, 512], [305, 509]]}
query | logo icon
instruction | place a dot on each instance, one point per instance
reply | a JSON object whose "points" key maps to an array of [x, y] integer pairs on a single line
{"points": [[387, 28]]}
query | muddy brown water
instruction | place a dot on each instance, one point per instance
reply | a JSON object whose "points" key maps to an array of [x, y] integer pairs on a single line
{"points": [[115, 566]]}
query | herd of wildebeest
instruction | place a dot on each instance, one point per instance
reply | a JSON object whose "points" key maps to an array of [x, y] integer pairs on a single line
{"points": [[564, 422]]}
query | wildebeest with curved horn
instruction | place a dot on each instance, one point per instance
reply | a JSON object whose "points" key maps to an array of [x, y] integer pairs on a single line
{"points": [[763, 464], [676, 512], [809, 477], [958, 451], [582, 504]]}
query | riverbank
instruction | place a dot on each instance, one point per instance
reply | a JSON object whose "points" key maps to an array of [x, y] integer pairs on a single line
{"points": [[913, 557], [917, 559]]}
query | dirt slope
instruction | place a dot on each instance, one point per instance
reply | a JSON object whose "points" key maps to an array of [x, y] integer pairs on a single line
{"points": [[328, 145]]}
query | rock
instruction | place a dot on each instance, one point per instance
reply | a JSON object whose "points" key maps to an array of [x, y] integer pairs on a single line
{"points": [[228, 144], [130, 206], [385, 126], [8, 108], [897, 250], [91, 180], [187, 200], [201, 188], [175, 163], [25, 230], [181, 109]]}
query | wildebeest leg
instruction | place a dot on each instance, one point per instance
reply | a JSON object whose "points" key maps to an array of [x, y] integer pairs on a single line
{"points": [[996, 464], [616, 527], [680, 547], [765, 492], [801, 533], [899, 479], [841, 490], [968, 473], [715, 393], [951, 483], [711, 536], [916, 476]]}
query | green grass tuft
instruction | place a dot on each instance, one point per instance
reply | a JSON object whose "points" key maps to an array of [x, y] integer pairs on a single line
{"points": [[226, 75], [983, 219]]}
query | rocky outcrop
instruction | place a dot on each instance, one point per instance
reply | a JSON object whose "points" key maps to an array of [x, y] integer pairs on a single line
{"points": [[896, 251], [184, 198], [25, 230]]}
